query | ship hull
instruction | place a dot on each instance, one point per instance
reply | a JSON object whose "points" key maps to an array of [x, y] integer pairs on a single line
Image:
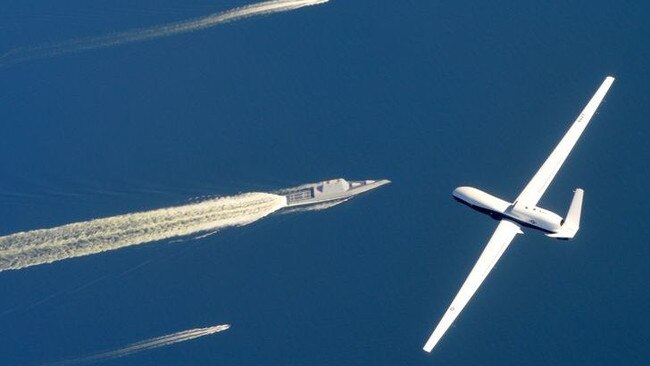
{"points": [[331, 191]]}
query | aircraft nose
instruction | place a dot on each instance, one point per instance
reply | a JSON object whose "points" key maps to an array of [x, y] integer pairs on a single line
{"points": [[460, 192]]}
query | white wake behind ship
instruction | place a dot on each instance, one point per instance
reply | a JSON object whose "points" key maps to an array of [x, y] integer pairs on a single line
{"points": [[328, 191]]}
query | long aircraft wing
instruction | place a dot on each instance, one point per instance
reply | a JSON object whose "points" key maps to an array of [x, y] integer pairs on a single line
{"points": [[507, 230], [499, 242], [544, 176]]}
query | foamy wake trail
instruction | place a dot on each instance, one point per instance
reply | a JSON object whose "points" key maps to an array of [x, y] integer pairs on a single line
{"points": [[147, 345], [76, 45], [35, 247]]}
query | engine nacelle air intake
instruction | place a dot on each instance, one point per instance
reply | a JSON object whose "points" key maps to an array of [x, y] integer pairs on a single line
{"points": [[536, 216]]}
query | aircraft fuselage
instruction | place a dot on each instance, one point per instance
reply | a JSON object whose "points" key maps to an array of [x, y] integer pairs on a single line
{"points": [[530, 216]]}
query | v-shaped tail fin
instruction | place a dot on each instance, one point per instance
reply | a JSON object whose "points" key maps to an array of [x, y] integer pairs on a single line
{"points": [[571, 223]]}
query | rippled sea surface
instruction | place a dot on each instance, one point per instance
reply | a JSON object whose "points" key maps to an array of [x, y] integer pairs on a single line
{"points": [[430, 95]]}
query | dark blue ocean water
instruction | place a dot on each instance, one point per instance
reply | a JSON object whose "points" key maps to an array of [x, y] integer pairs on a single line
{"points": [[431, 95]]}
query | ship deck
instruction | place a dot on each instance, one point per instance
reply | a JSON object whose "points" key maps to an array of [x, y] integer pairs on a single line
{"points": [[300, 195]]}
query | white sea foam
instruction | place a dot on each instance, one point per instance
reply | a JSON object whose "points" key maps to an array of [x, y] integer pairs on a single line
{"points": [[41, 246], [81, 44], [147, 345]]}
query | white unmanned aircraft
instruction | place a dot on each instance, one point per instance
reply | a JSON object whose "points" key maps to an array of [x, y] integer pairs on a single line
{"points": [[523, 212]]}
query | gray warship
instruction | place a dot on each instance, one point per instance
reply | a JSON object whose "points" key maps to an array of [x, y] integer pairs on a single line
{"points": [[328, 191]]}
